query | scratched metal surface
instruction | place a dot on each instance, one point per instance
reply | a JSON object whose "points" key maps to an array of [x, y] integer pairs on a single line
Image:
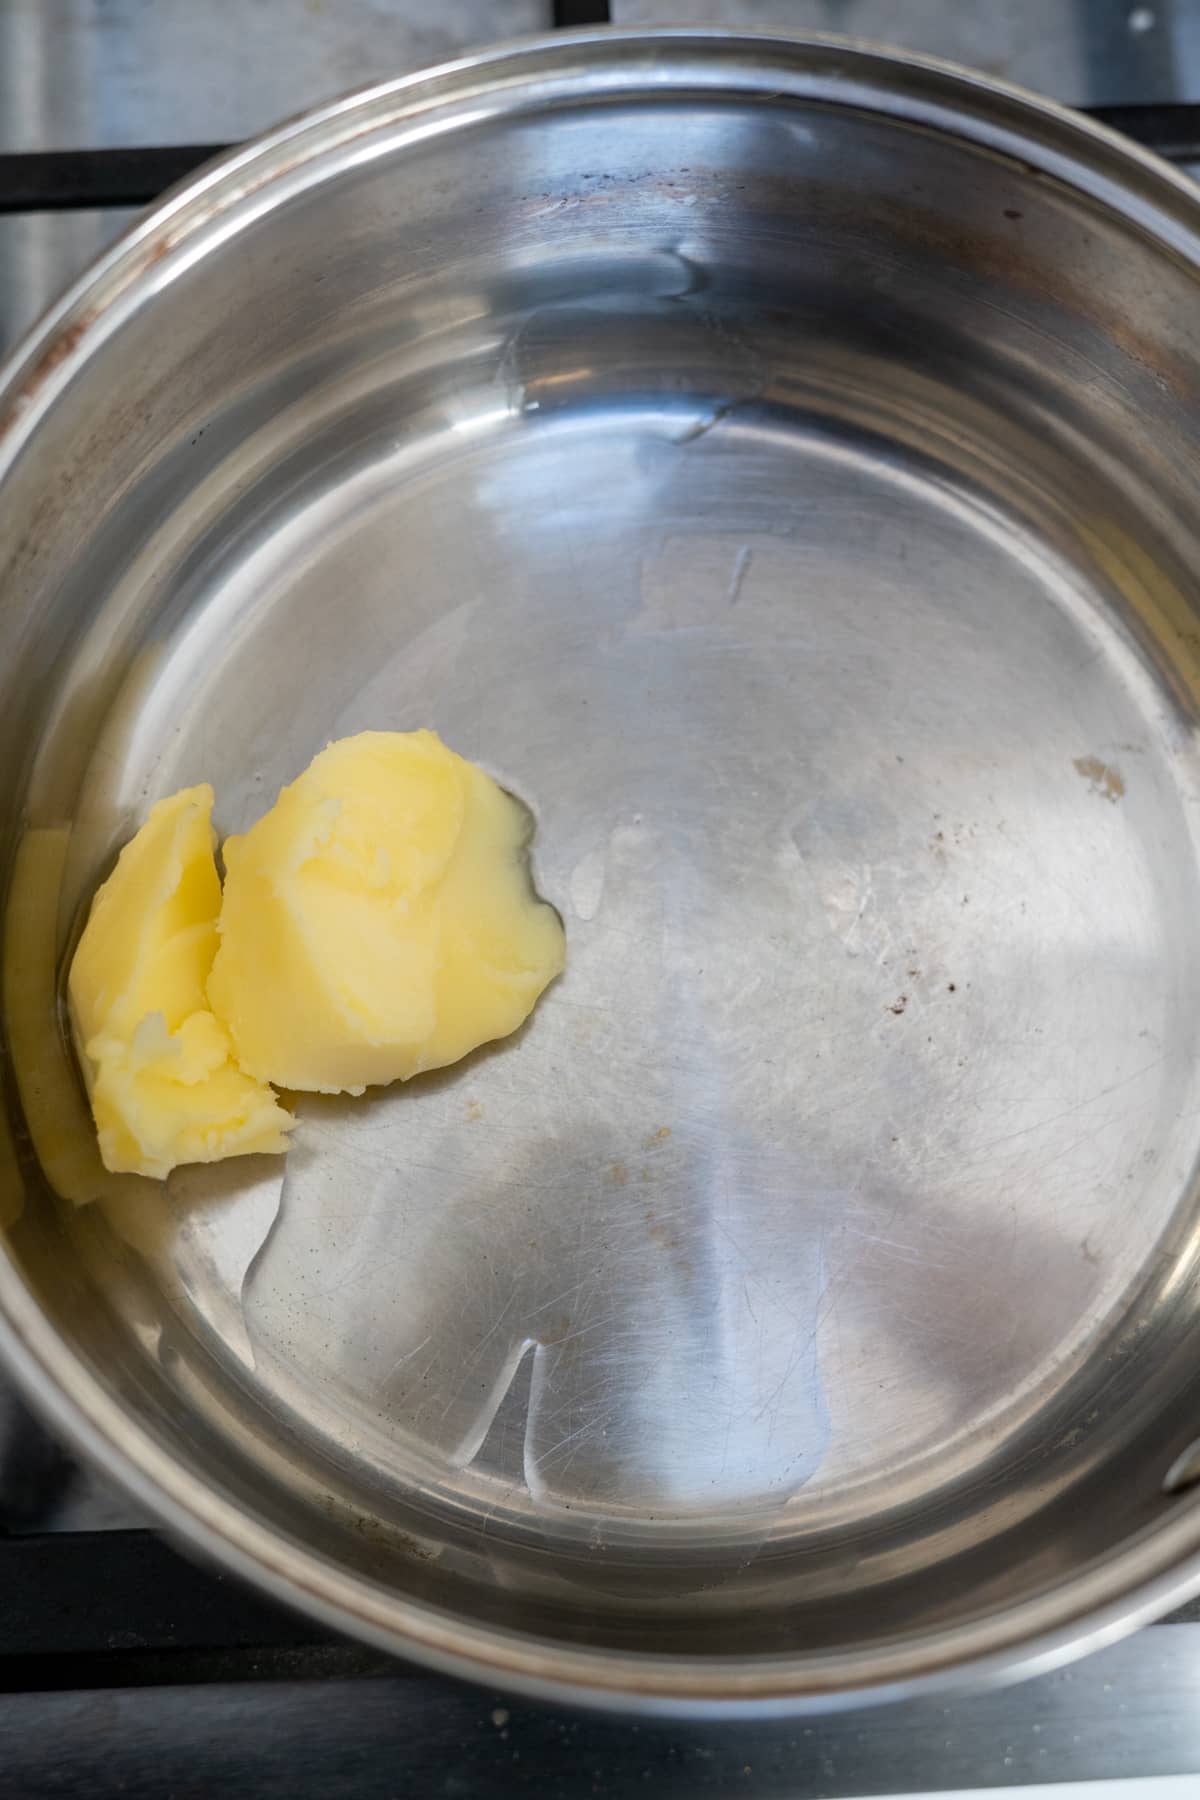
{"points": [[854, 1113], [822, 588]]}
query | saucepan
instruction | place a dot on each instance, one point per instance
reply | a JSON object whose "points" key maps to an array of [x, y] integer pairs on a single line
{"points": [[778, 461]]}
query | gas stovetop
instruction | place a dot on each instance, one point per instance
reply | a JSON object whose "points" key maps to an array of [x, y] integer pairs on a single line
{"points": [[125, 1668]]}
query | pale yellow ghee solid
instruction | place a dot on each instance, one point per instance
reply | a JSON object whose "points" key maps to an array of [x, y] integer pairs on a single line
{"points": [[378, 921], [164, 1085]]}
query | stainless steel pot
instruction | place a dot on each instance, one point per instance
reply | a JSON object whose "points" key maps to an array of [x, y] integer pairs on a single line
{"points": [[777, 461]]}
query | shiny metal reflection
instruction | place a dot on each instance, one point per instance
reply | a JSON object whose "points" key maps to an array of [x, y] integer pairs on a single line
{"points": [[775, 461]]}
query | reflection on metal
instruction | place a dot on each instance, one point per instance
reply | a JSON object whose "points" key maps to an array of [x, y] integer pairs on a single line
{"points": [[1184, 1472], [825, 591]]}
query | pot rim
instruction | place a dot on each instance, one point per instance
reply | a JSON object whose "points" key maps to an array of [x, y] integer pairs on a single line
{"points": [[1155, 1571]]}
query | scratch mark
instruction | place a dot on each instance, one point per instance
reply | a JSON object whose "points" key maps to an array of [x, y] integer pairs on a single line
{"points": [[400, 1361], [495, 1325], [1067, 1111], [741, 563], [700, 427]]}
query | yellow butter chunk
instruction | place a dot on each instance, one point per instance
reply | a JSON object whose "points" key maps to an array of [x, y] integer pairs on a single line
{"points": [[160, 1070], [380, 919]]}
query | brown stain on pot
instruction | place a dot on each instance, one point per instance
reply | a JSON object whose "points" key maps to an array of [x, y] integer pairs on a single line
{"points": [[56, 352], [1102, 777]]}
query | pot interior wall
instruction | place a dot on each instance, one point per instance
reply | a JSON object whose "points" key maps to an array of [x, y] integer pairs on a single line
{"points": [[795, 505]]}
